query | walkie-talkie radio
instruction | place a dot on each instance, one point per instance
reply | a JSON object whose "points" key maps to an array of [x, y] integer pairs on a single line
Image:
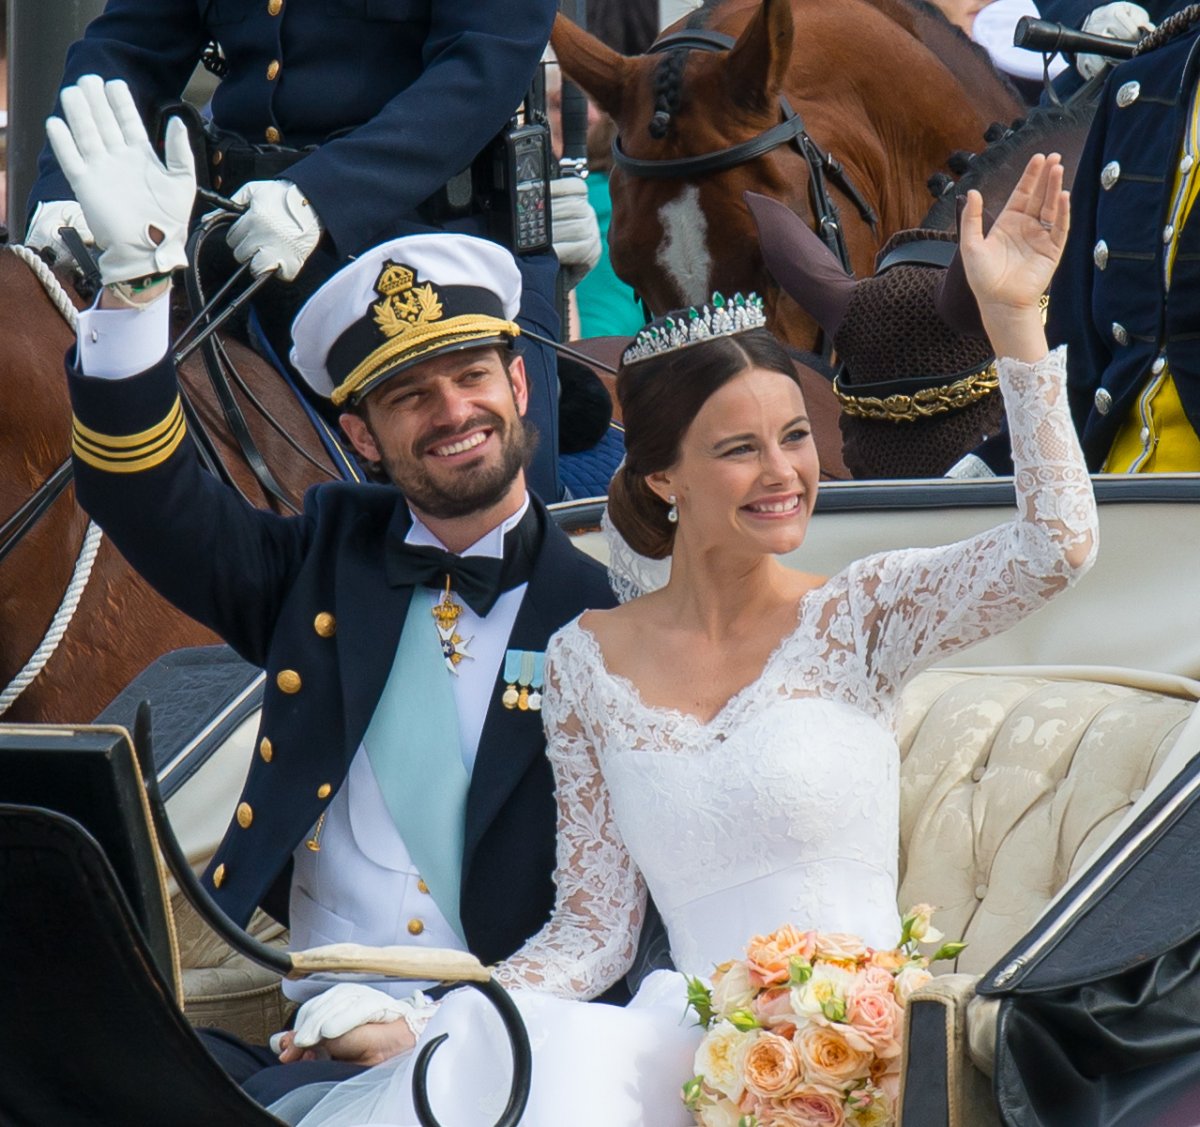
{"points": [[518, 192]]}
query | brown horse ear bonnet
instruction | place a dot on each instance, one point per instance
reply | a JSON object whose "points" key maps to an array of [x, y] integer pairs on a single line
{"points": [[918, 385]]}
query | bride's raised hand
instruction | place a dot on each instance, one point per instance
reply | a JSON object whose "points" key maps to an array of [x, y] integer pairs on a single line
{"points": [[1010, 268]]}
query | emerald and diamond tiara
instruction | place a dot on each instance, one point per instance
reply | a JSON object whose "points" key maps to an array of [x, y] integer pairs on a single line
{"points": [[719, 317]]}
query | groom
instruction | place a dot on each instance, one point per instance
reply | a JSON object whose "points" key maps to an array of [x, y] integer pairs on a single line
{"points": [[399, 792]]}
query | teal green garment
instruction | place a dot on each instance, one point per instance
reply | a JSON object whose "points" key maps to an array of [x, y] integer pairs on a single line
{"points": [[606, 304], [415, 750]]}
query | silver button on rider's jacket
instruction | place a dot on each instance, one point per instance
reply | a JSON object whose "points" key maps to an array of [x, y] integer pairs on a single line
{"points": [[1120, 335], [1144, 436], [1159, 364], [1103, 401], [1168, 233], [1100, 254], [1127, 93], [1110, 174], [1185, 165]]}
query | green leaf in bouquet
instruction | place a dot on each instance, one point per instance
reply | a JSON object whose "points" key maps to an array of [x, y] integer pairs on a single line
{"points": [[699, 997], [693, 1093], [743, 1021], [947, 951], [799, 971], [748, 1120], [834, 1009]]}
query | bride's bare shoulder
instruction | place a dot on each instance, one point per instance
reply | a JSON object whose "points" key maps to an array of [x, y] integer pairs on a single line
{"points": [[614, 628]]}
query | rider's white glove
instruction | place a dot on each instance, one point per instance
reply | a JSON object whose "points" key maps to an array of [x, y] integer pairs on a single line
{"points": [[47, 218], [576, 231], [136, 206], [279, 230], [1118, 21], [348, 1005]]}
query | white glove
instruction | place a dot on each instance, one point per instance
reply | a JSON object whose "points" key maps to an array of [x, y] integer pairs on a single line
{"points": [[127, 194], [278, 232], [969, 466], [576, 231], [348, 1005], [47, 218], [1118, 21]]}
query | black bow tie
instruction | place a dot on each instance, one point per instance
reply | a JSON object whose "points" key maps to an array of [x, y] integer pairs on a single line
{"points": [[478, 580]]}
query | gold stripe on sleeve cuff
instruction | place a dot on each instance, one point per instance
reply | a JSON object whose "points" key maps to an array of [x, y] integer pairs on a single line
{"points": [[131, 453]]}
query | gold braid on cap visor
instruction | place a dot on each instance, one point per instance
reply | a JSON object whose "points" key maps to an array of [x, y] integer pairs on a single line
{"points": [[419, 341]]}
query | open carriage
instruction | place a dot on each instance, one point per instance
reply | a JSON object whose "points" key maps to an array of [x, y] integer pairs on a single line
{"points": [[1021, 768]]}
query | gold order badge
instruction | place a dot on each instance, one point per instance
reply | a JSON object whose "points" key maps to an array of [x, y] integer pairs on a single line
{"points": [[404, 304]]}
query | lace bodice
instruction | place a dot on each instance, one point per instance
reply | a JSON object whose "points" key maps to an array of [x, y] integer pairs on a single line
{"points": [[784, 806]]}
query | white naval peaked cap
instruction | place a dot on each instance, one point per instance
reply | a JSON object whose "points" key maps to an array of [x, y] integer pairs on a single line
{"points": [[402, 302]]}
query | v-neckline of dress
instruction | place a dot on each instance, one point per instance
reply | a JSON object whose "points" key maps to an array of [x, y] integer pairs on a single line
{"points": [[733, 702]]}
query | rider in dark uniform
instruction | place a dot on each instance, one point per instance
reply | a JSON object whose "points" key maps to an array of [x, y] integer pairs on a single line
{"points": [[368, 107]]}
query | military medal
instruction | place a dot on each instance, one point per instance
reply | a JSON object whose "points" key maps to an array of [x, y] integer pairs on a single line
{"points": [[512, 670], [523, 671], [446, 614]]}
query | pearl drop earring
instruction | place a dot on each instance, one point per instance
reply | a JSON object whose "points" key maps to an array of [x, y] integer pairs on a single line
{"points": [[673, 511]]}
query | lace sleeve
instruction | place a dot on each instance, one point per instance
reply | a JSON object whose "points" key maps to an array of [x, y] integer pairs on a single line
{"points": [[591, 937], [923, 604]]}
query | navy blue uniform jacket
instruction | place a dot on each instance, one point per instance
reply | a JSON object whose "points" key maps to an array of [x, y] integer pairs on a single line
{"points": [[1108, 301], [261, 581], [409, 90]]}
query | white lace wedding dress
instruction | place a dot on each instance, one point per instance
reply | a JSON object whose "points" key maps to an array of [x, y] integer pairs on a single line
{"points": [[782, 808]]}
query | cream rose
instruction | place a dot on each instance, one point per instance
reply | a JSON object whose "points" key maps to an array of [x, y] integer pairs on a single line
{"points": [[841, 946], [810, 1105], [771, 1066], [920, 926], [910, 980], [823, 996], [721, 1114], [719, 1058], [869, 1108], [732, 990], [826, 1057]]}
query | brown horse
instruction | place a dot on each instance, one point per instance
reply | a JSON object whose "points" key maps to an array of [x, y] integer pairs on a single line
{"points": [[120, 625], [888, 90]]}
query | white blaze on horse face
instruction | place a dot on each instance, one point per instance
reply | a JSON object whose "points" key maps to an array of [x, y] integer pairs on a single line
{"points": [[683, 253]]}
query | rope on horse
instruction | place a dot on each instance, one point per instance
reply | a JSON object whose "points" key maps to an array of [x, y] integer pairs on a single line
{"points": [[52, 286], [91, 540]]}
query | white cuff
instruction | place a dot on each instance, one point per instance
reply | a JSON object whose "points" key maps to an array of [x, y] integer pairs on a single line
{"points": [[117, 343]]}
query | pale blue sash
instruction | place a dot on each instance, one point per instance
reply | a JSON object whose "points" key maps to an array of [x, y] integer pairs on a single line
{"points": [[415, 750]]}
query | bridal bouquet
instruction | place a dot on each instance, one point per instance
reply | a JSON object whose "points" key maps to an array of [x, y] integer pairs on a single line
{"points": [[805, 1031]]}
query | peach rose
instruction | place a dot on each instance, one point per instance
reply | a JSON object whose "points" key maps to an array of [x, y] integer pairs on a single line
{"points": [[889, 960], [841, 947], [877, 976], [909, 980], [885, 1075], [771, 1066], [769, 957], [829, 1059], [774, 1006], [876, 1016], [810, 1105]]}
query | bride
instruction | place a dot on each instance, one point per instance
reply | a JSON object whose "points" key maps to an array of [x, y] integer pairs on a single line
{"points": [[727, 740]]}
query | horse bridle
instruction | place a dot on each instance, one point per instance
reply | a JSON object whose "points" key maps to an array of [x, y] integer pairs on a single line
{"points": [[822, 166]]}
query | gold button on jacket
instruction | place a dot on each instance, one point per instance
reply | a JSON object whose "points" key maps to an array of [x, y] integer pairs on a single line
{"points": [[218, 876], [265, 749], [273, 135], [288, 681], [324, 790], [325, 624], [272, 70], [415, 927], [245, 815], [274, 7]]}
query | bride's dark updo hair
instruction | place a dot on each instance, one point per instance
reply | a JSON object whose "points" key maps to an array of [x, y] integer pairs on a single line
{"points": [[659, 397]]}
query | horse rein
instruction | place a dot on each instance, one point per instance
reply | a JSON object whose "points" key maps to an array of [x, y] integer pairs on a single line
{"points": [[822, 166]]}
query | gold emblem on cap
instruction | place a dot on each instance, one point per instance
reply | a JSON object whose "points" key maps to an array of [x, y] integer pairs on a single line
{"points": [[404, 304]]}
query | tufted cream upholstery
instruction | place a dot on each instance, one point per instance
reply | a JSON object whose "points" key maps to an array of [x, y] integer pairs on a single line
{"points": [[1011, 780]]}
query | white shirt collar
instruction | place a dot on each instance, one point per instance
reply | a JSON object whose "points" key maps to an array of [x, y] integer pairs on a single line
{"points": [[490, 544]]}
